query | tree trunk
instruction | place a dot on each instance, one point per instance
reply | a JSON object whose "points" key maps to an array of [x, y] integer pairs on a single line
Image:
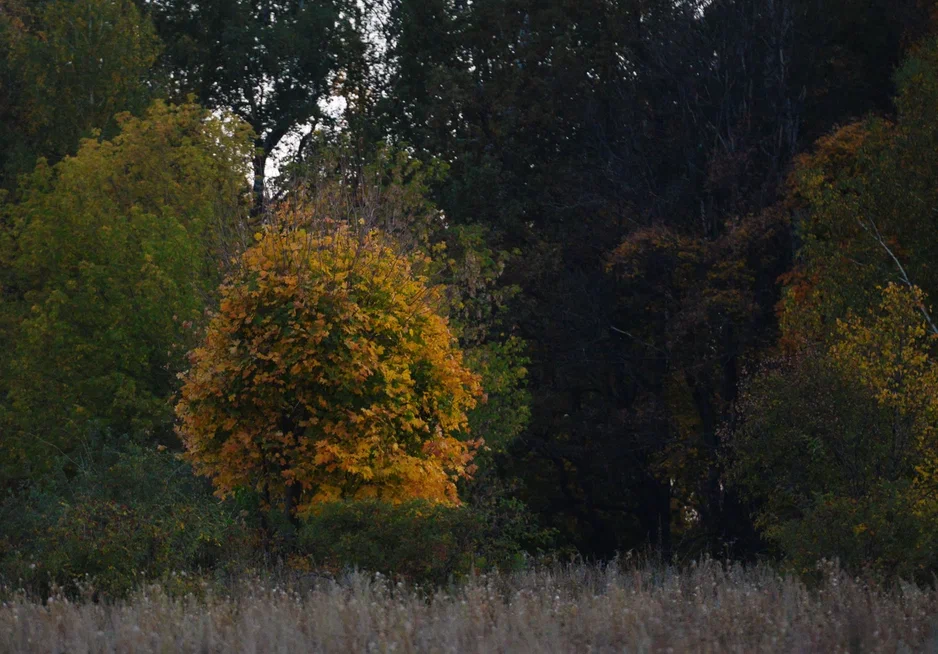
{"points": [[260, 170], [291, 501], [654, 514]]}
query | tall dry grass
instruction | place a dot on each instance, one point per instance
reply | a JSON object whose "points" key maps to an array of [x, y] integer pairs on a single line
{"points": [[646, 608]]}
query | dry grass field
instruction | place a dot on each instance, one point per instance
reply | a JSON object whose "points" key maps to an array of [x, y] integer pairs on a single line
{"points": [[646, 608]]}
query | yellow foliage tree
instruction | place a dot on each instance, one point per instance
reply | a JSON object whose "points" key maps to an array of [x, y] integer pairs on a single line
{"points": [[327, 373], [837, 444], [890, 353]]}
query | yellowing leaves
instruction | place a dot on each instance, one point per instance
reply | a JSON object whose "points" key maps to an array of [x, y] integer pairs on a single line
{"points": [[347, 381], [118, 247], [889, 351]]}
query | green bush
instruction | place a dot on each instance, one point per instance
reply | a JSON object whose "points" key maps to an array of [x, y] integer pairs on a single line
{"points": [[418, 541], [127, 515], [832, 471], [878, 534]]}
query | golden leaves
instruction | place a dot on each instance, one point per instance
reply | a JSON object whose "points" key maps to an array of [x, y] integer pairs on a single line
{"points": [[889, 351], [329, 366]]}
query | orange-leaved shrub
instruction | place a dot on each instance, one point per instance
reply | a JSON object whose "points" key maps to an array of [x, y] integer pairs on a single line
{"points": [[327, 373]]}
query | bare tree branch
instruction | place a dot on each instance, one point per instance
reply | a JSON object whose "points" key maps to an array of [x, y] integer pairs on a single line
{"points": [[870, 227]]}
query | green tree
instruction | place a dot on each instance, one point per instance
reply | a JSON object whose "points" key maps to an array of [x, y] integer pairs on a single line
{"points": [[109, 260], [70, 68], [13, 147], [839, 447]]}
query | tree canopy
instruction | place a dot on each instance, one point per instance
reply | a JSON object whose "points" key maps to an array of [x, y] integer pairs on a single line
{"points": [[107, 262], [271, 63], [328, 373]]}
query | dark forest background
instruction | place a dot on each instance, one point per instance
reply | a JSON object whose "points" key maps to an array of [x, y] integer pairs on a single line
{"points": [[690, 243]]}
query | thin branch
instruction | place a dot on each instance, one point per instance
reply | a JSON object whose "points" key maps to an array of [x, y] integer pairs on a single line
{"points": [[870, 227], [637, 339]]}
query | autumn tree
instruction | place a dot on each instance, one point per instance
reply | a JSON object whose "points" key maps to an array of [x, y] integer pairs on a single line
{"points": [[837, 440], [573, 126], [692, 313], [388, 189], [864, 197], [106, 261], [328, 373], [838, 446]]}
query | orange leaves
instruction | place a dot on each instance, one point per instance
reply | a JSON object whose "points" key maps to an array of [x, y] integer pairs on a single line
{"points": [[833, 155], [329, 366]]}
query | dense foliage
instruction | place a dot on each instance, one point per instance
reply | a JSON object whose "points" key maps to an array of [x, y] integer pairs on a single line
{"points": [[660, 271], [270, 63], [838, 441], [126, 515], [839, 446], [328, 373], [106, 261], [419, 541], [69, 68]]}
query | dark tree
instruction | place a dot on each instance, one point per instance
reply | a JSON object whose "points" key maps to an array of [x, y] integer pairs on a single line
{"points": [[270, 62], [573, 127]]}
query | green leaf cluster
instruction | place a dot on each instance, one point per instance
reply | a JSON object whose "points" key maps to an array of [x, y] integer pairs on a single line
{"points": [[108, 261], [418, 541], [68, 69]]}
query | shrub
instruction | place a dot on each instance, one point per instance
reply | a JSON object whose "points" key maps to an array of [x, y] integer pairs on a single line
{"points": [[419, 541], [878, 533], [128, 515]]}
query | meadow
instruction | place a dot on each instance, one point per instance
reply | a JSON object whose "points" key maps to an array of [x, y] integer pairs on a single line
{"points": [[639, 607]]}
